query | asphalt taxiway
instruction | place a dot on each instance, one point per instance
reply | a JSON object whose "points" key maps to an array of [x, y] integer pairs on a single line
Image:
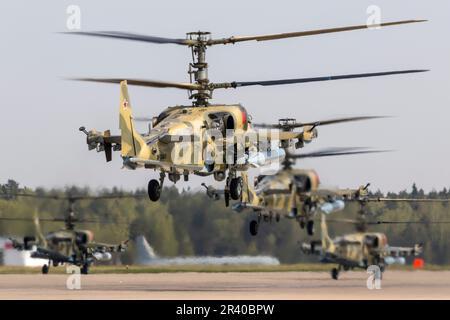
{"points": [[231, 285]]}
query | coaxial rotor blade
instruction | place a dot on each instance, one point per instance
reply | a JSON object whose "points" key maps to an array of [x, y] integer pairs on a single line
{"points": [[28, 219], [382, 199], [74, 198], [334, 152], [145, 83], [62, 220], [379, 222], [315, 79], [133, 37], [406, 222], [315, 123], [277, 36], [233, 39]]}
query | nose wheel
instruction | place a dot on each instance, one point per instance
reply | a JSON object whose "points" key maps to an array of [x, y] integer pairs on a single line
{"points": [[85, 269], [335, 273], [254, 227], [233, 188], [236, 188], [154, 190], [155, 187], [44, 269]]}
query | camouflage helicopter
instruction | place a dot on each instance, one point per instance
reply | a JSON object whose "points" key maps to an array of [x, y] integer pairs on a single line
{"points": [[292, 193], [182, 140], [295, 193], [67, 245], [358, 250]]}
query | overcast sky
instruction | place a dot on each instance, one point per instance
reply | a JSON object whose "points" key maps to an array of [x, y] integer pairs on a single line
{"points": [[41, 145]]}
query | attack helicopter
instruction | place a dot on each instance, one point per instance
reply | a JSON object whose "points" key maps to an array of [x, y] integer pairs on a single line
{"points": [[292, 193], [67, 245], [296, 193], [358, 250], [203, 139]]}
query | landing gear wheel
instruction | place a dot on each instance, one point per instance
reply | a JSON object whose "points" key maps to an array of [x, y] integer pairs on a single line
{"points": [[154, 190], [236, 188], [254, 227], [335, 273], [310, 228], [85, 269], [44, 269]]}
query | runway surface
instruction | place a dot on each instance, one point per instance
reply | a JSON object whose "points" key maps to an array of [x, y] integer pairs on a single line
{"points": [[254, 285]]}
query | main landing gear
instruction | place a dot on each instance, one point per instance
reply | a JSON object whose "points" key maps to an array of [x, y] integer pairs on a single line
{"points": [[254, 224], [254, 227], [84, 269], [335, 273], [44, 269], [233, 188], [155, 187], [309, 226]]}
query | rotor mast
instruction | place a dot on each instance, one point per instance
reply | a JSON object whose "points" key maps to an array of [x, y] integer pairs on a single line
{"points": [[199, 67]]}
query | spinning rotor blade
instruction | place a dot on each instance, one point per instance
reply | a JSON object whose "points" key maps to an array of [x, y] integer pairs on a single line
{"points": [[31, 219], [61, 220], [75, 198], [134, 37], [316, 123], [333, 152], [303, 33], [233, 39], [235, 84], [315, 79], [406, 222], [379, 222], [405, 200], [145, 83]]}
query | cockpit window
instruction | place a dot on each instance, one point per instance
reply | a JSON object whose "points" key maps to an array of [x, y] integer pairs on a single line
{"points": [[302, 182]]}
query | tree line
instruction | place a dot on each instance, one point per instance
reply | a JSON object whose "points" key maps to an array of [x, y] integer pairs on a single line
{"points": [[185, 223]]}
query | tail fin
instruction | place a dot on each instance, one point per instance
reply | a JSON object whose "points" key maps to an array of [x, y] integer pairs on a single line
{"points": [[132, 143], [37, 226], [248, 194], [145, 253], [327, 243]]}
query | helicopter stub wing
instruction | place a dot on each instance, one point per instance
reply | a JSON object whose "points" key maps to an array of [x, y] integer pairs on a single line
{"points": [[102, 141], [404, 251], [279, 135], [313, 247], [163, 164], [240, 206], [42, 253], [212, 192], [107, 247]]}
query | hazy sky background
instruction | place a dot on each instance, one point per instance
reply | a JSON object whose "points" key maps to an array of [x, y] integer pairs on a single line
{"points": [[41, 145]]}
